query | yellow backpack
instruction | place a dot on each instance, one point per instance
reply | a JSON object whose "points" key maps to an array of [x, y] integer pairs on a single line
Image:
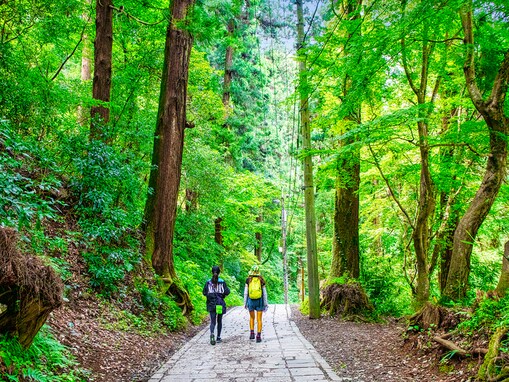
{"points": [[255, 288]]}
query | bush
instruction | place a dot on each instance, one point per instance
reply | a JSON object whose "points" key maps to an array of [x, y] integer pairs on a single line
{"points": [[46, 360], [491, 313]]}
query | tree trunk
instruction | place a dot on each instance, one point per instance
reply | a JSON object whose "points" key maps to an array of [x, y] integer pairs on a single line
{"points": [[309, 190], [426, 205], [191, 200], [421, 231], [345, 261], [497, 123], [258, 241], [218, 231], [85, 71], [103, 46], [161, 206], [29, 290], [227, 80], [503, 281]]}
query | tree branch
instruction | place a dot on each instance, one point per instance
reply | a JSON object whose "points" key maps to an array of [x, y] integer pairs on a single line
{"points": [[407, 71], [377, 164], [499, 89], [468, 66], [121, 9], [70, 55]]}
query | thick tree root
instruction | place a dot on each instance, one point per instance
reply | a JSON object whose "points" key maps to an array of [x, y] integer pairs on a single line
{"points": [[179, 294], [449, 345]]}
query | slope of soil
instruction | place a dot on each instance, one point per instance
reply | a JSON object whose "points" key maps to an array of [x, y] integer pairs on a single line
{"points": [[108, 354]]}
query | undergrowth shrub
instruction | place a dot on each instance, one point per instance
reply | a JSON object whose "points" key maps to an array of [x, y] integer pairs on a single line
{"points": [[47, 360], [109, 211], [387, 290], [490, 314], [108, 266], [28, 182]]}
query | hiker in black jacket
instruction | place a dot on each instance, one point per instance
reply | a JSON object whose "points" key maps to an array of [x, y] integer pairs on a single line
{"points": [[216, 290]]}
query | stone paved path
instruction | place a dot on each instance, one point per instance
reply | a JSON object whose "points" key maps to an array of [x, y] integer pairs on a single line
{"points": [[284, 355]]}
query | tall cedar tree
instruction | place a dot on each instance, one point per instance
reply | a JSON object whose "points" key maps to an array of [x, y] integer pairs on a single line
{"points": [[309, 189], [161, 205], [103, 46], [345, 255]]}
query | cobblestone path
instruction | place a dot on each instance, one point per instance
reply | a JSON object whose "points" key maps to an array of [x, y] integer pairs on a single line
{"points": [[284, 355]]}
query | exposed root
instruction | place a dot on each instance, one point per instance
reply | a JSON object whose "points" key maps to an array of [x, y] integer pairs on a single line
{"points": [[29, 290], [449, 345], [180, 295], [345, 300], [436, 317]]}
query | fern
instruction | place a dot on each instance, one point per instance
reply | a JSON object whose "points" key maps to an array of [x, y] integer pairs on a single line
{"points": [[35, 375]]}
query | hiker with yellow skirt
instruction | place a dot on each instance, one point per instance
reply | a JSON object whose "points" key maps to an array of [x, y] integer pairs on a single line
{"points": [[255, 299]]}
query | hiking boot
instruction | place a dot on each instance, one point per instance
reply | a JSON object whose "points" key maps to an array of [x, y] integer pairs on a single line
{"points": [[252, 336], [212, 340], [218, 339], [259, 337]]}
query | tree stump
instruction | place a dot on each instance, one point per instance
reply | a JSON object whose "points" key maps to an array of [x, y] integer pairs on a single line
{"points": [[29, 290], [433, 316], [345, 300]]}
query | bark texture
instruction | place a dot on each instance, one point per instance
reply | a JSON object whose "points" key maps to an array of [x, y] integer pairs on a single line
{"points": [[497, 123], [345, 260], [161, 206], [503, 281], [103, 46]]}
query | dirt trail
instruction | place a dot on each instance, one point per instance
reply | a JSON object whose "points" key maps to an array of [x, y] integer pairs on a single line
{"points": [[375, 352]]}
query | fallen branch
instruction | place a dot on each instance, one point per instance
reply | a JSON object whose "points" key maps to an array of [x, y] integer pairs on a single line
{"points": [[455, 348]]}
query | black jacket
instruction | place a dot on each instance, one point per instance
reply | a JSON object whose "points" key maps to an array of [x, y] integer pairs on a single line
{"points": [[216, 294]]}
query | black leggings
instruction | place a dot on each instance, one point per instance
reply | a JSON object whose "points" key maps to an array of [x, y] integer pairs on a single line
{"points": [[213, 316]]}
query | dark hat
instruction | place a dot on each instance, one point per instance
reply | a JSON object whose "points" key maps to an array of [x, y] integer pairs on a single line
{"points": [[216, 269]]}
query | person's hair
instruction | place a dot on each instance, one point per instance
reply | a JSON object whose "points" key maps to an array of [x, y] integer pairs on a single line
{"points": [[215, 274]]}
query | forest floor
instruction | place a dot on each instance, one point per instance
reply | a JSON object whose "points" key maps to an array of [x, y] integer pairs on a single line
{"points": [[108, 353], [382, 352], [360, 351]]}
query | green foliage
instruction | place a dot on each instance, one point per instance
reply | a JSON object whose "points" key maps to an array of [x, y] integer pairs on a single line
{"points": [[109, 265], [489, 315], [389, 294], [29, 181], [45, 360], [304, 306]]}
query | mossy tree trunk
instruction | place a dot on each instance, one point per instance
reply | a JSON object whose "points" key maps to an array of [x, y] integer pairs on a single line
{"points": [[421, 234], [161, 206], [345, 260]]}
